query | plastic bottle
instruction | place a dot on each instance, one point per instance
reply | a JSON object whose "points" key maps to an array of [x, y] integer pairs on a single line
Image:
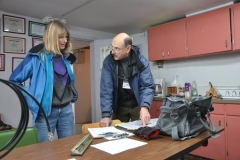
{"points": [[187, 88], [176, 83], [194, 91]]}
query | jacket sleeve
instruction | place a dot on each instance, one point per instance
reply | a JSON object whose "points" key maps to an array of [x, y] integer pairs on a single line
{"points": [[146, 88], [22, 72], [106, 89]]}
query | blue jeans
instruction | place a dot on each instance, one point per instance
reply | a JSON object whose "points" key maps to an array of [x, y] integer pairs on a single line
{"points": [[60, 119]]}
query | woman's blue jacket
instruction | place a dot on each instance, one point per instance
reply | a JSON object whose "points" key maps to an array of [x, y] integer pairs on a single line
{"points": [[37, 67]]}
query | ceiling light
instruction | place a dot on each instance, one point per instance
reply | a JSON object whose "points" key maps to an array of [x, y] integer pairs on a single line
{"points": [[48, 19], [209, 9]]}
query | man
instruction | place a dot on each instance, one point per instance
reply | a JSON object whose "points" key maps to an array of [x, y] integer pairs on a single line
{"points": [[127, 86]]}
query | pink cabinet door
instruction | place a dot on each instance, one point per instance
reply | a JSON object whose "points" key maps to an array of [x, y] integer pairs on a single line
{"points": [[176, 39], [236, 26], [155, 109], [156, 43], [158, 106], [209, 32], [152, 111], [233, 138], [233, 131], [216, 147]]}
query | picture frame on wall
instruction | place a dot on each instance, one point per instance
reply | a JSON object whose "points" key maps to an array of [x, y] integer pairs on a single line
{"points": [[13, 24], [16, 61], [36, 29], [2, 62], [36, 41], [14, 45]]}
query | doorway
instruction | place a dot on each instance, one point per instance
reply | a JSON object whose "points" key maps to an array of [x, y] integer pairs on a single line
{"points": [[81, 69]]}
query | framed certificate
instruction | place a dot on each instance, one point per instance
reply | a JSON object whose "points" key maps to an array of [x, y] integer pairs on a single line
{"points": [[36, 29], [16, 61], [36, 41], [2, 62], [13, 24], [14, 45]]}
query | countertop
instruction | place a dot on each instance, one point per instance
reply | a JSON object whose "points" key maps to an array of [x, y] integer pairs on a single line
{"points": [[227, 101]]}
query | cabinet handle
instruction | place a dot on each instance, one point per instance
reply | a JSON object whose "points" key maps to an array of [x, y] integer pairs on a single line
{"points": [[163, 53], [168, 52], [219, 123], [226, 43]]}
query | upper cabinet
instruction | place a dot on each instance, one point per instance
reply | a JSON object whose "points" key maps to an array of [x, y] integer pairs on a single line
{"points": [[209, 32], [236, 26], [156, 43], [213, 32], [167, 41], [176, 39]]}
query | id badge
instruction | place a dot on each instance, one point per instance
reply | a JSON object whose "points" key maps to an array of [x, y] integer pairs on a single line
{"points": [[126, 84]]}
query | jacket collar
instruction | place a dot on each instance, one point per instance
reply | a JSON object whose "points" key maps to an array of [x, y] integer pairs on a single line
{"points": [[40, 47], [133, 58]]}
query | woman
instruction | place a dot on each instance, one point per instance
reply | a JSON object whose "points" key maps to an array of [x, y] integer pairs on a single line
{"points": [[47, 66]]}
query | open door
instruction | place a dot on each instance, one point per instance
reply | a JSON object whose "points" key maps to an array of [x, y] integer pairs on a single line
{"points": [[82, 83]]}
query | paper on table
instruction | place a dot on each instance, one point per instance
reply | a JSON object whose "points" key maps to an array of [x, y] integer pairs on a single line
{"points": [[97, 132], [117, 146], [136, 124]]}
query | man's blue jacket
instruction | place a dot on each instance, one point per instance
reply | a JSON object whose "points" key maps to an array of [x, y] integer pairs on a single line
{"points": [[141, 82]]}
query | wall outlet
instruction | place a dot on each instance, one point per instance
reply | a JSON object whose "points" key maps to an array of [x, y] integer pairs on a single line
{"points": [[160, 64]]}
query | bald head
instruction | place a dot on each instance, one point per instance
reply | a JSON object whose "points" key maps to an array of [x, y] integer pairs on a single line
{"points": [[122, 44], [123, 38]]}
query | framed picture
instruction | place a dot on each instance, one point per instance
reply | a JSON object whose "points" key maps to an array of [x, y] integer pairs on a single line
{"points": [[13, 24], [14, 45], [2, 62], [16, 61], [36, 29], [36, 41]]}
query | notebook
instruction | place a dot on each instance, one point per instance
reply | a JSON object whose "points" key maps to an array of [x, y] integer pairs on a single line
{"points": [[136, 124], [100, 132]]}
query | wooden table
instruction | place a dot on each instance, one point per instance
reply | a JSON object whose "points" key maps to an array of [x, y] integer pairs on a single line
{"points": [[162, 148]]}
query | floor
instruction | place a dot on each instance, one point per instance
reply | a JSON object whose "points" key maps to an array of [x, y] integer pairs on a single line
{"points": [[78, 130]]}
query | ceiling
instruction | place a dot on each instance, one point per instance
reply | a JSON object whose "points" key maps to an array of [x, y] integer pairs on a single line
{"points": [[112, 16]]}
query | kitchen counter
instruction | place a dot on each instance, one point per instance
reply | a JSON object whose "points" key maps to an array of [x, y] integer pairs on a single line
{"points": [[227, 101]]}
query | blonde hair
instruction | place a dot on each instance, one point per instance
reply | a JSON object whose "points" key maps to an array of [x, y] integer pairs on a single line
{"points": [[51, 37]]}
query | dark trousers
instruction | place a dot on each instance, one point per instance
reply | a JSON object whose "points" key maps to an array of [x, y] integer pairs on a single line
{"points": [[124, 114]]}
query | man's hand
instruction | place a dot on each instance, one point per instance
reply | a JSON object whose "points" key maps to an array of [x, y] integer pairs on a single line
{"points": [[105, 122], [144, 116]]}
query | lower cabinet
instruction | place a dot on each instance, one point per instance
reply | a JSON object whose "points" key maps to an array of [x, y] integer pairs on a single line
{"points": [[233, 131], [225, 146], [155, 109]]}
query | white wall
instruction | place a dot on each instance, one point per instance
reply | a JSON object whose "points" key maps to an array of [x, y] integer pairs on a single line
{"points": [[220, 70], [9, 105], [95, 76]]}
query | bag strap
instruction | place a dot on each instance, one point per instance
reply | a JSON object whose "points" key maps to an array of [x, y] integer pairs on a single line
{"points": [[212, 131], [175, 134]]}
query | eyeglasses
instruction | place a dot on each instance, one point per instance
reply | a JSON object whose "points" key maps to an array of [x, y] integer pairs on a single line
{"points": [[115, 49], [61, 38]]}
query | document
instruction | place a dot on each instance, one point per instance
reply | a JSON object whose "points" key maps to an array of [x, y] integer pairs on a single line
{"points": [[103, 131], [136, 124], [117, 146]]}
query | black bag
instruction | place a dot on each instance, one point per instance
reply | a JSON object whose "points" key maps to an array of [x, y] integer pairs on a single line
{"points": [[183, 120]]}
